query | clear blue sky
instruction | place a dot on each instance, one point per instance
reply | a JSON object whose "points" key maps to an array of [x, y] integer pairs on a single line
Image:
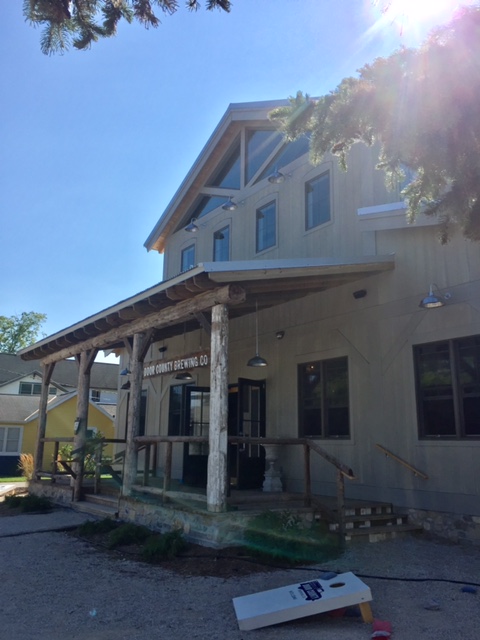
{"points": [[94, 144]]}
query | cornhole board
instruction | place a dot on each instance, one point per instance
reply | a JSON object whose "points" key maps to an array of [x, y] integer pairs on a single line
{"points": [[301, 600]]}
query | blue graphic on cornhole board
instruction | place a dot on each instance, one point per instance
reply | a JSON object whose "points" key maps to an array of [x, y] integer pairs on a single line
{"points": [[301, 600]]}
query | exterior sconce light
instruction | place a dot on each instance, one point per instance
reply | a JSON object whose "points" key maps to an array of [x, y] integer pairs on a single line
{"points": [[126, 385], [229, 205], [361, 293], [277, 177], [191, 226], [279, 335], [432, 300]]}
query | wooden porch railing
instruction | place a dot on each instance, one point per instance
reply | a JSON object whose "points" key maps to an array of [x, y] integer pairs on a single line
{"points": [[66, 465], [343, 471], [404, 463]]}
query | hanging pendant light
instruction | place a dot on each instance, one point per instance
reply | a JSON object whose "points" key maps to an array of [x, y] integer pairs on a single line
{"points": [[257, 360]]}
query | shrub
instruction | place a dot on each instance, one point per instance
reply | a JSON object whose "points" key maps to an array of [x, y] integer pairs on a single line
{"points": [[29, 503], [26, 465], [163, 547], [127, 533], [282, 536], [94, 527]]}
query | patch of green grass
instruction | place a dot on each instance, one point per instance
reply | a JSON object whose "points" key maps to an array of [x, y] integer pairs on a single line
{"points": [[126, 534], [10, 480], [163, 546], [282, 536], [29, 503]]}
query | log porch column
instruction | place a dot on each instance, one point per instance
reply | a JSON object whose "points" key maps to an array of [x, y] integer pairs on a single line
{"points": [[85, 361], [217, 478], [139, 348], [42, 419]]}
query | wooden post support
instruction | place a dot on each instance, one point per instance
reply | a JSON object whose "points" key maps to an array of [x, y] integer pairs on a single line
{"points": [[341, 503], [308, 479], [146, 465], [167, 474], [140, 344], [217, 474], [42, 420], [85, 360]]}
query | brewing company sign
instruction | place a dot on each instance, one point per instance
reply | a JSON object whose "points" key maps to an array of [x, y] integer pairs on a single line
{"points": [[183, 363]]}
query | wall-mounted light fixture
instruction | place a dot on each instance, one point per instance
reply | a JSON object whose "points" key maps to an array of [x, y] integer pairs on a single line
{"points": [[229, 205], [433, 300], [184, 375], [125, 372], [126, 385], [361, 293], [163, 348], [277, 177], [191, 226], [279, 335], [257, 360]]}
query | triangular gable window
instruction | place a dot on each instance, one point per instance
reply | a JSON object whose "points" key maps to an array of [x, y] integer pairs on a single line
{"points": [[228, 174], [260, 144], [205, 204], [287, 154]]}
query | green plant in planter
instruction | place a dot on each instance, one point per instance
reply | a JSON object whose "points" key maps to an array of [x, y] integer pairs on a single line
{"points": [[281, 535]]}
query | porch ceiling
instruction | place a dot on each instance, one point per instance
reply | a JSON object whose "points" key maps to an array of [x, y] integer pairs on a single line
{"points": [[267, 283]]}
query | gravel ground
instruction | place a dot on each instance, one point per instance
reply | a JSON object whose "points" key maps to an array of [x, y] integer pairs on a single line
{"points": [[54, 586]]}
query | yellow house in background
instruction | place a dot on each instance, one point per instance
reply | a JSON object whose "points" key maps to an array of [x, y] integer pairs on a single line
{"points": [[61, 415]]}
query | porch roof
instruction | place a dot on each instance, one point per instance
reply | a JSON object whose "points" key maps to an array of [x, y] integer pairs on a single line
{"points": [[268, 283]]}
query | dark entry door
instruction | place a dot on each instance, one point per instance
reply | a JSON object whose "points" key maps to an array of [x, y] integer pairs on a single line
{"points": [[249, 459], [197, 420]]}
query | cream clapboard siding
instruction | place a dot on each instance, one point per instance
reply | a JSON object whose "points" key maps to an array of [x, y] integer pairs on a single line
{"points": [[376, 333]]}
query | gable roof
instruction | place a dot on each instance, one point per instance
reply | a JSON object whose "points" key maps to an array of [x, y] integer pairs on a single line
{"points": [[104, 375], [57, 401], [227, 130], [15, 408]]}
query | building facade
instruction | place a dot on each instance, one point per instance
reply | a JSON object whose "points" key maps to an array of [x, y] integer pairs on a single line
{"points": [[363, 329]]}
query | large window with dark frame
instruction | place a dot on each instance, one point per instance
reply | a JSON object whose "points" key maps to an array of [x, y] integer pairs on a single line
{"points": [[266, 227], [317, 201], [447, 377], [323, 399]]}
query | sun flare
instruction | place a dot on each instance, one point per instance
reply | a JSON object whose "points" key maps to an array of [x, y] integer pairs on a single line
{"points": [[418, 11]]}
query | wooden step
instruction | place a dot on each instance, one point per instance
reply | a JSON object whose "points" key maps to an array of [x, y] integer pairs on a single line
{"points": [[97, 509], [379, 534]]}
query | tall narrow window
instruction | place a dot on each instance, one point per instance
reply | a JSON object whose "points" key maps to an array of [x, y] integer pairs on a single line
{"points": [[448, 388], [266, 227], [188, 258], [323, 399], [317, 201], [221, 245]]}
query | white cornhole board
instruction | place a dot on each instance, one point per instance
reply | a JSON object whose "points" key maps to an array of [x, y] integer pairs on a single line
{"points": [[301, 600]]}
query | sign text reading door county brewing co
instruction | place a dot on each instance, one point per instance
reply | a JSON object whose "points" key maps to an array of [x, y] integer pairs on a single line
{"points": [[176, 365]]}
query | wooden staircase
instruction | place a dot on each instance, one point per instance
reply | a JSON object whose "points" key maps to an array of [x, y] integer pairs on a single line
{"points": [[373, 522]]}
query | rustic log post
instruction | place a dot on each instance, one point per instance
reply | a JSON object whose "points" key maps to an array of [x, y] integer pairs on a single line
{"points": [[308, 478], [167, 474], [217, 474], [42, 420], [341, 503], [146, 465], [85, 361], [140, 344], [56, 448]]}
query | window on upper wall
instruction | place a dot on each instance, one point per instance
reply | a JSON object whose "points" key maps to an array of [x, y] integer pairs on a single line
{"points": [[317, 201], [447, 377], [287, 154], [188, 258], [10, 440], [221, 245], [266, 227], [34, 389], [228, 174], [95, 395], [323, 399]]}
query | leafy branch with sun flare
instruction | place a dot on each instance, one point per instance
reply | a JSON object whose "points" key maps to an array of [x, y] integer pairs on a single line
{"points": [[420, 108]]}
